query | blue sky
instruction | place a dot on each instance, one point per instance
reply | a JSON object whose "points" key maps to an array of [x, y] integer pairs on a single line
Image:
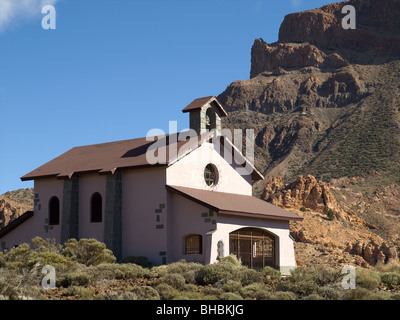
{"points": [[114, 69]]}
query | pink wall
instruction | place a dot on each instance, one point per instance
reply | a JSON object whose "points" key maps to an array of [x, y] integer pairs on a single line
{"points": [[187, 217], [143, 193], [37, 226]]}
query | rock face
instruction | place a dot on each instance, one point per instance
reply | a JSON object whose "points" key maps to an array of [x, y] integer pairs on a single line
{"points": [[9, 211], [276, 57], [305, 193], [343, 238], [377, 28], [13, 204], [324, 100]]}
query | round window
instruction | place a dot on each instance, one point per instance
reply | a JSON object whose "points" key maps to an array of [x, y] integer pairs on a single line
{"points": [[210, 175]]}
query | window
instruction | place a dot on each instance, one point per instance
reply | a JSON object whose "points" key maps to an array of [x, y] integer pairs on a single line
{"points": [[255, 248], [96, 203], [193, 244], [54, 211], [210, 175], [211, 119]]}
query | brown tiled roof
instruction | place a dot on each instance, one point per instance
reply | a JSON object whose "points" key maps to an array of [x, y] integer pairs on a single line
{"points": [[199, 103], [106, 157], [234, 204], [15, 223]]}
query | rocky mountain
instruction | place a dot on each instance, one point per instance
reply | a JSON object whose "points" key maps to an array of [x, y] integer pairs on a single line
{"points": [[324, 102], [13, 204]]}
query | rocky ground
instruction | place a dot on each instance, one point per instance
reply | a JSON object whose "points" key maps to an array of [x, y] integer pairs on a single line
{"points": [[338, 227]]}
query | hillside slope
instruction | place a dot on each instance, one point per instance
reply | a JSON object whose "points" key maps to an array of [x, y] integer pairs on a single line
{"points": [[321, 100], [325, 101]]}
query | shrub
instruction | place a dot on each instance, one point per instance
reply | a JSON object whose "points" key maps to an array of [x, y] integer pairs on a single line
{"points": [[88, 252], [229, 285], [116, 295], [357, 294], [140, 261], [256, 291], [368, 279], [19, 257], [110, 271], [167, 292], [249, 276], [390, 279], [232, 259], [145, 293], [283, 295], [302, 282], [181, 267], [330, 293], [212, 291], [81, 293], [313, 296], [270, 273], [74, 279], [331, 214], [8, 289], [230, 296], [212, 273], [381, 295], [302, 274], [327, 276], [175, 280], [303, 209], [396, 296], [388, 267], [190, 276]]}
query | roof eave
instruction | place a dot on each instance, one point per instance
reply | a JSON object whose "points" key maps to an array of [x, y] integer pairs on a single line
{"points": [[261, 215]]}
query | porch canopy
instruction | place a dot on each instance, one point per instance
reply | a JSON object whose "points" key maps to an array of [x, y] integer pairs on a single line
{"points": [[235, 204]]}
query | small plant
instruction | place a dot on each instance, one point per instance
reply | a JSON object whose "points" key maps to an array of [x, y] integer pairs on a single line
{"points": [[303, 209], [331, 214]]}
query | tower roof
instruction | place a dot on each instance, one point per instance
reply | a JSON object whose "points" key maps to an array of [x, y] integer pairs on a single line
{"points": [[201, 102]]}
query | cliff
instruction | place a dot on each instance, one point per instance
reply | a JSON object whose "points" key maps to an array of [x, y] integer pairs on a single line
{"points": [[325, 102]]}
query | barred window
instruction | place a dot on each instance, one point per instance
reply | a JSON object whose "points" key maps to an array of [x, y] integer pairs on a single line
{"points": [[193, 244]]}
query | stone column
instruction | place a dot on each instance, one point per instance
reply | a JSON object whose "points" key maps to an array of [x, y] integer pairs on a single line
{"points": [[113, 214], [70, 210]]}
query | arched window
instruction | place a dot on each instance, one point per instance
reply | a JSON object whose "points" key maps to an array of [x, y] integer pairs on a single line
{"points": [[211, 119], [193, 244], [54, 211], [96, 212], [254, 247]]}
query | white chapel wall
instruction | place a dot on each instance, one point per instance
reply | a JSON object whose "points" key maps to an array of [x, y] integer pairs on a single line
{"points": [[189, 172]]}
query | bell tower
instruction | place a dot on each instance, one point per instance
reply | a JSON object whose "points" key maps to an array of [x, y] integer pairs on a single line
{"points": [[205, 115]]}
